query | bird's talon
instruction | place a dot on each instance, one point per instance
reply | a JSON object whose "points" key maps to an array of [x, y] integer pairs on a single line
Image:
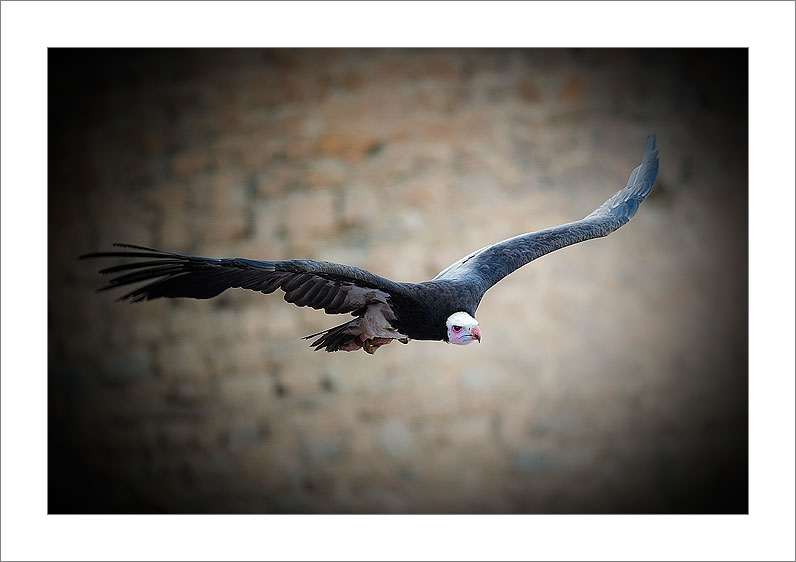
{"points": [[371, 345]]}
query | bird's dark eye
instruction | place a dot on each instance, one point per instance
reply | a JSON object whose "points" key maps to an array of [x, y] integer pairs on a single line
{"points": [[457, 328]]}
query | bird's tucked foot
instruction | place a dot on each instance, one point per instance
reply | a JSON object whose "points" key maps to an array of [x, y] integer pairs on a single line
{"points": [[372, 345], [351, 345], [369, 345]]}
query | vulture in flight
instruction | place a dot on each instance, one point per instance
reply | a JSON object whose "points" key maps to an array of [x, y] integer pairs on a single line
{"points": [[442, 308]]}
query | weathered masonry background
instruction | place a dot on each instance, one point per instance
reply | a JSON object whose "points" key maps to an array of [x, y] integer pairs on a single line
{"points": [[612, 375]]}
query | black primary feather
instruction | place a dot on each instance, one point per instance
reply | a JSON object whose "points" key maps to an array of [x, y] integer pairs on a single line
{"points": [[335, 288]]}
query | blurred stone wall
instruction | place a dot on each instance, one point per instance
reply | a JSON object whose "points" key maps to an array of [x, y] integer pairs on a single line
{"points": [[612, 374]]}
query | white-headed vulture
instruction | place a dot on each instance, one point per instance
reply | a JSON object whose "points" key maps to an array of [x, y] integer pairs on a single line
{"points": [[442, 308]]}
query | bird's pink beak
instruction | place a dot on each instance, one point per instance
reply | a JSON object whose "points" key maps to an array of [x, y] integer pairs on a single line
{"points": [[476, 333]]}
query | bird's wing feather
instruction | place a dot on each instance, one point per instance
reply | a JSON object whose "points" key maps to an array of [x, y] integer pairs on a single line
{"points": [[490, 264], [330, 286]]}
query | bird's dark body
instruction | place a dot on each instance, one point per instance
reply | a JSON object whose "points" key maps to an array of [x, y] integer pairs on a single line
{"points": [[421, 309], [383, 309]]}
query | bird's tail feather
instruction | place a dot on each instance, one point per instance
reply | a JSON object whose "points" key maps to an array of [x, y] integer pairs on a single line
{"points": [[333, 338]]}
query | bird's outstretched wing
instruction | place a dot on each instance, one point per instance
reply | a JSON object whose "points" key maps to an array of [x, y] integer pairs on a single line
{"points": [[333, 287], [489, 265]]}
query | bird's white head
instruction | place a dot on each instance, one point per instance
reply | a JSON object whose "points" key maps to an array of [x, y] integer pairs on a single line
{"points": [[462, 329]]}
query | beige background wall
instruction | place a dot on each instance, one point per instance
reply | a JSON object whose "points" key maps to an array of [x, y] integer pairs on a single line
{"points": [[612, 374]]}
